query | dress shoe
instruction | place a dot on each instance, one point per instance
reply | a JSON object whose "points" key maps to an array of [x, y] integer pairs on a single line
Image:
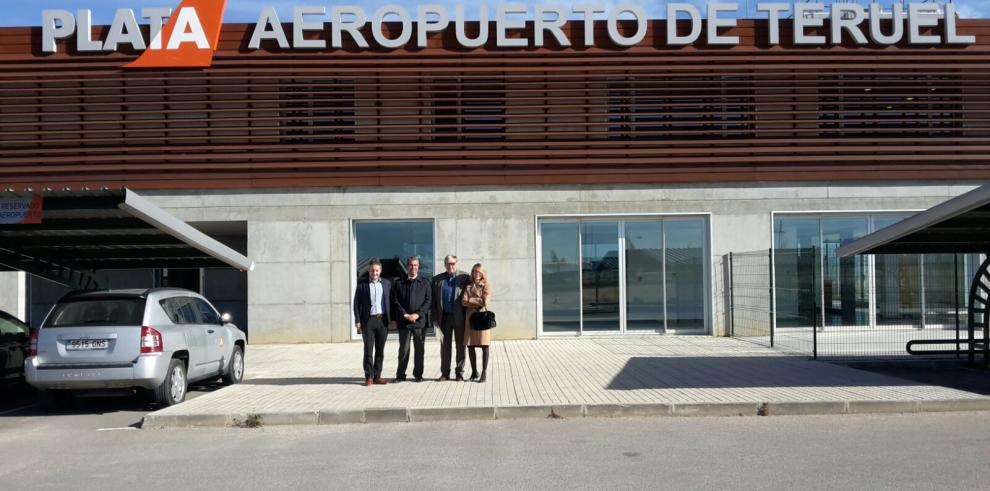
{"points": [[367, 382], [460, 378], [443, 378], [474, 376], [419, 379], [380, 381], [483, 378], [397, 380]]}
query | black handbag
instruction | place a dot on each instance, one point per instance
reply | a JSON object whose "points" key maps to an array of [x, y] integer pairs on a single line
{"points": [[482, 320]]}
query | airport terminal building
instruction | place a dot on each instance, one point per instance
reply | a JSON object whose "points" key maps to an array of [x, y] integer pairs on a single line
{"points": [[601, 183]]}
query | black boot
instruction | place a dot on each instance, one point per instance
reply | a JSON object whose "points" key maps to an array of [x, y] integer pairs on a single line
{"points": [[473, 356], [484, 364]]}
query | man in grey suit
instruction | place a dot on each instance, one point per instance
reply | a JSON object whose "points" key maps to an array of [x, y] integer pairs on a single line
{"points": [[448, 315]]}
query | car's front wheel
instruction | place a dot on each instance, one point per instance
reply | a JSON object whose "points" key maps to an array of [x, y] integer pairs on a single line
{"points": [[173, 389], [235, 369]]}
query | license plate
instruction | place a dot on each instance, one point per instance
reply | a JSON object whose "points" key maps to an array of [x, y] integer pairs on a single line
{"points": [[87, 344]]}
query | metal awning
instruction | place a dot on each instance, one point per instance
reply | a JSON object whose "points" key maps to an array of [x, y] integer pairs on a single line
{"points": [[960, 225], [80, 232]]}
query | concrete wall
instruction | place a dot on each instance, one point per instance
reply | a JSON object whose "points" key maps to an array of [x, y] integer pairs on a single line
{"points": [[301, 239]]}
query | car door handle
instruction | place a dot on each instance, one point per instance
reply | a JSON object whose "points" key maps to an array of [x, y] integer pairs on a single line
{"points": [[209, 331]]}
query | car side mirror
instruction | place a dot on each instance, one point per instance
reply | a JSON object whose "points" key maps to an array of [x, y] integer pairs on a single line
{"points": [[225, 318]]}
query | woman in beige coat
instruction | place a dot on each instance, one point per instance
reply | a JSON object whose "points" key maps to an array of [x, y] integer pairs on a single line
{"points": [[476, 296]]}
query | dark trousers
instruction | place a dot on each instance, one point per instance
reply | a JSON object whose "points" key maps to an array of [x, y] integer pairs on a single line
{"points": [[374, 335], [453, 335], [418, 338]]}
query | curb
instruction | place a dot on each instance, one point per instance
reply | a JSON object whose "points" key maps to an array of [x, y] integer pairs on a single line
{"points": [[493, 413]]}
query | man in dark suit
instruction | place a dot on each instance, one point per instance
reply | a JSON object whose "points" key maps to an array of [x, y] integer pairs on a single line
{"points": [[411, 304], [447, 314], [372, 301]]}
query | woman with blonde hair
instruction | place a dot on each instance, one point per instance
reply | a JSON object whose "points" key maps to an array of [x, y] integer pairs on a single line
{"points": [[476, 296]]}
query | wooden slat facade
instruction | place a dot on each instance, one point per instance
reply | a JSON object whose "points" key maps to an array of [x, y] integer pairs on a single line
{"points": [[444, 115]]}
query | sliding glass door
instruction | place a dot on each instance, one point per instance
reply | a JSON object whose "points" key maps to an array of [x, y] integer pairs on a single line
{"points": [[635, 275]]}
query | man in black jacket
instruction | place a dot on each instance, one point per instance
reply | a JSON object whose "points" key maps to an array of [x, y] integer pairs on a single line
{"points": [[372, 301], [410, 305]]}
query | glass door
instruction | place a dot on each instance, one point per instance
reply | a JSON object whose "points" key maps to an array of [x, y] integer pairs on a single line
{"points": [[645, 275], [645, 310], [600, 277]]}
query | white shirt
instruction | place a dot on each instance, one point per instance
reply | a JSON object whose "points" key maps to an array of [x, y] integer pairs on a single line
{"points": [[375, 290]]}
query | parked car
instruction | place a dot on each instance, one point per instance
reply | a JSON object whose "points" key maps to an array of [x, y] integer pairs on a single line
{"points": [[14, 343], [158, 340]]}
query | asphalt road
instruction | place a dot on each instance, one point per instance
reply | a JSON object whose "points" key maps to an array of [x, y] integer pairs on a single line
{"points": [[919, 451]]}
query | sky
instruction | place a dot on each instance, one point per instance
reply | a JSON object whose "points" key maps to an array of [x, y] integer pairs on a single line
{"points": [[28, 13]]}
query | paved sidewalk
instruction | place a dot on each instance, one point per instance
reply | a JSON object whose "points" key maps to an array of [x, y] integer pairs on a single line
{"points": [[656, 375]]}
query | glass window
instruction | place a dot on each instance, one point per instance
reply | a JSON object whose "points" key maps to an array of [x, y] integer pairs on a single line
{"points": [[898, 283], [845, 286], [612, 276], [181, 310], [393, 242], [207, 314], [644, 276], [796, 241], [9, 327], [560, 277], [103, 312], [600, 276], [684, 273]]}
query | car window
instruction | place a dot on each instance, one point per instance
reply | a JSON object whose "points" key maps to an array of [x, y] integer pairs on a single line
{"points": [[181, 310], [11, 328], [97, 312], [208, 315]]}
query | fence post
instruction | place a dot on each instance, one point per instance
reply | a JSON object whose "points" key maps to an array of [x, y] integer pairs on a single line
{"points": [[814, 302], [732, 302], [955, 288], [773, 302]]}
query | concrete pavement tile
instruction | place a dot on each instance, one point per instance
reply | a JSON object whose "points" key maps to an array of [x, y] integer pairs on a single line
{"points": [[717, 409], [864, 407], [805, 407], [289, 418], [523, 412], [386, 415], [337, 416], [451, 413], [626, 410], [981, 404]]}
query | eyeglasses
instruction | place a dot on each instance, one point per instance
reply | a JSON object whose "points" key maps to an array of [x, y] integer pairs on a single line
{"points": [[451, 264]]}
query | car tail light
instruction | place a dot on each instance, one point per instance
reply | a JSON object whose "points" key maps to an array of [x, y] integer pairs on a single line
{"points": [[34, 342], [151, 340]]}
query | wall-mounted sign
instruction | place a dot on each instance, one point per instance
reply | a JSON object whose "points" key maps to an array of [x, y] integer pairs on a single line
{"points": [[189, 37], [20, 210]]}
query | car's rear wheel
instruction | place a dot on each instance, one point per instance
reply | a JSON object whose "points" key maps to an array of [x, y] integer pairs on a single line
{"points": [[235, 369], [173, 389]]}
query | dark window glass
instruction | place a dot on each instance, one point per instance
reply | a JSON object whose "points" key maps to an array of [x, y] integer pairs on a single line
{"points": [[393, 242], [181, 310], [104, 312], [10, 328], [207, 314]]}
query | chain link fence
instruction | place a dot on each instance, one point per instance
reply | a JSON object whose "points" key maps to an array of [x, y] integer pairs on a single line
{"points": [[857, 308]]}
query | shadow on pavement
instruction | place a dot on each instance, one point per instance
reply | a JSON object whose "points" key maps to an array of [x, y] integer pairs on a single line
{"points": [[23, 400], [953, 376], [307, 381], [712, 372]]}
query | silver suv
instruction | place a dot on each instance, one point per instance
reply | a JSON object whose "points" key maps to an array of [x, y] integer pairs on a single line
{"points": [[158, 340]]}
